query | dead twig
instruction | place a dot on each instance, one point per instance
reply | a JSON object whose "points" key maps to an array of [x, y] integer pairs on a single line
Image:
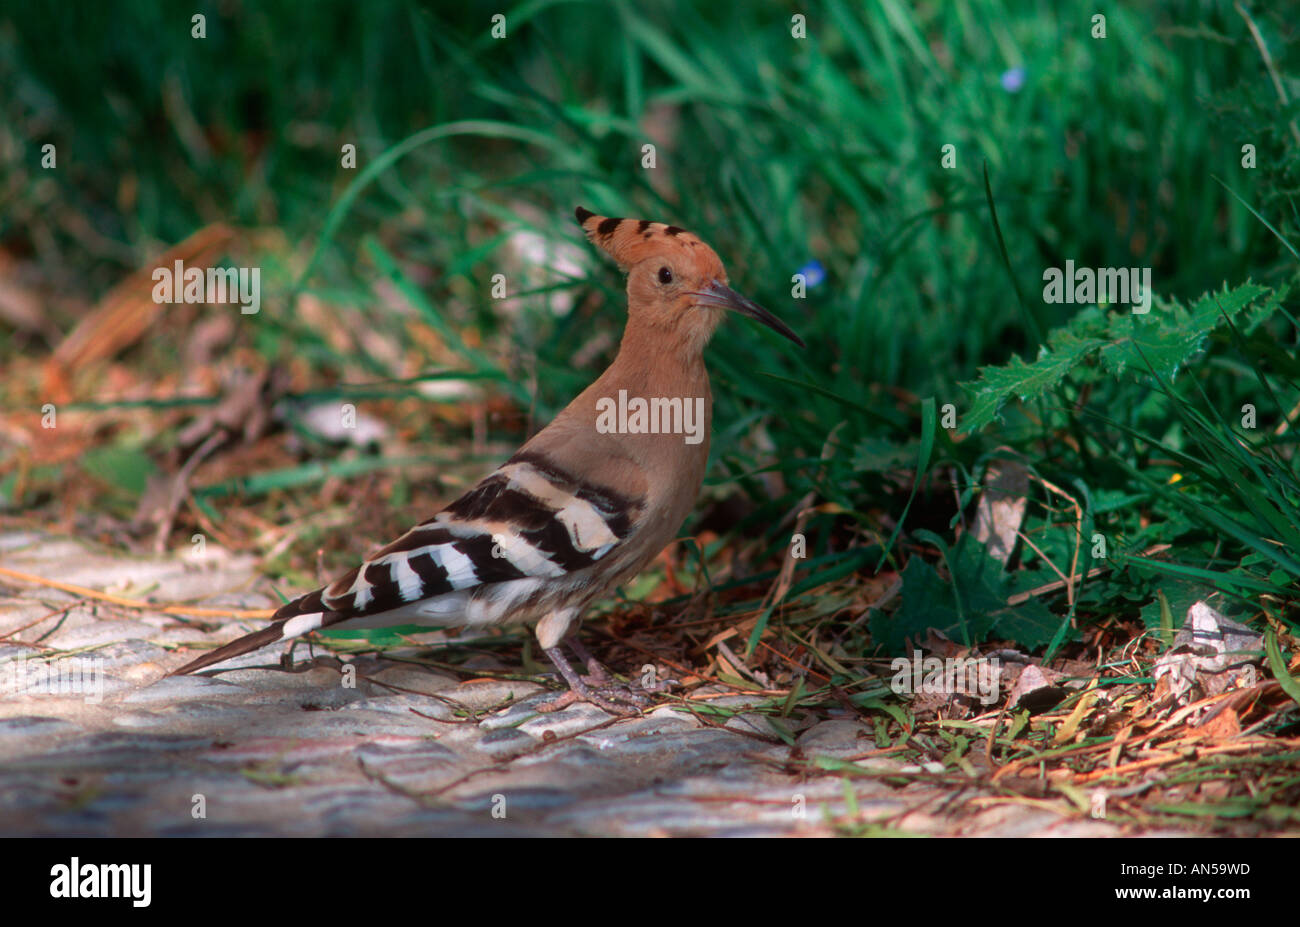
{"points": [[140, 604]]}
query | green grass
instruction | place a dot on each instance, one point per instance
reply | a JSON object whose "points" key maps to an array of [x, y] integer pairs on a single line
{"points": [[778, 152]]}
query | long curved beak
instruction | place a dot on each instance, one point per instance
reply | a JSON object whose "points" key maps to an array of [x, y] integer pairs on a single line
{"points": [[724, 297]]}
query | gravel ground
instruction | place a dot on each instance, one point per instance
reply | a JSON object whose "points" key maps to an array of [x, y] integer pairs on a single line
{"points": [[376, 746]]}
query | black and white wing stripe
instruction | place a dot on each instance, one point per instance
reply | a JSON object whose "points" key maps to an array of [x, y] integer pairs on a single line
{"points": [[527, 527]]}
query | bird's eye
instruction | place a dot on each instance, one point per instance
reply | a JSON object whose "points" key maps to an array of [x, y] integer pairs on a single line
{"points": [[665, 275]]}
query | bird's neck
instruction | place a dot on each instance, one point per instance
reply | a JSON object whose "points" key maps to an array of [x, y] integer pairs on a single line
{"points": [[652, 370], [654, 362], [665, 466]]}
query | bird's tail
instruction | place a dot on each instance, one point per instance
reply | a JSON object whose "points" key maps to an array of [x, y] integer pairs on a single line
{"points": [[293, 619]]}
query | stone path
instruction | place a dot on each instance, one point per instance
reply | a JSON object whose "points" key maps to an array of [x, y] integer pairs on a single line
{"points": [[376, 746]]}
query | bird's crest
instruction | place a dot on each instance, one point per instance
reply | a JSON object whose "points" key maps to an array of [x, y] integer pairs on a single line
{"points": [[630, 241]]}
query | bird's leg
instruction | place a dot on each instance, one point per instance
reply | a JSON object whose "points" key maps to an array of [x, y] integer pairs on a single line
{"points": [[579, 691], [597, 675]]}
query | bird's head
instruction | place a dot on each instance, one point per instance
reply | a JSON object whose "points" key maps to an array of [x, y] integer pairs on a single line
{"points": [[675, 282]]}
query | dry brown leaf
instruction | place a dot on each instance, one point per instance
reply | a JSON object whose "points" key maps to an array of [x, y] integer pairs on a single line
{"points": [[1223, 726], [1002, 507], [127, 311]]}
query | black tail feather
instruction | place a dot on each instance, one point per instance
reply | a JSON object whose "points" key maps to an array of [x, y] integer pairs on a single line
{"points": [[245, 644]]}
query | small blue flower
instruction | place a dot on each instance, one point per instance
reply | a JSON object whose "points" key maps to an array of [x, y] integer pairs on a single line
{"points": [[1013, 80], [813, 273]]}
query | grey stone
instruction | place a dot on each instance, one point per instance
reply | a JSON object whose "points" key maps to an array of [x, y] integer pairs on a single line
{"points": [[129, 653], [90, 635], [418, 776], [136, 743], [651, 816], [213, 716], [316, 699], [325, 724], [517, 713], [351, 802], [321, 681], [266, 659], [173, 688], [414, 680], [419, 707], [141, 720], [575, 761], [609, 738], [505, 742], [35, 726], [752, 722], [702, 746], [384, 756], [572, 720], [282, 751], [493, 694], [837, 739], [18, 540], [517, 800]]}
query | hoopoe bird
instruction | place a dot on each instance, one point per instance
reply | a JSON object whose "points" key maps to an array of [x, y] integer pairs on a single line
{"points": [[584, 505]]}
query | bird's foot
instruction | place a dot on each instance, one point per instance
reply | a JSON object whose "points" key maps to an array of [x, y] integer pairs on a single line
{"points": [[598, 687], [619, 701], [597, 676]]}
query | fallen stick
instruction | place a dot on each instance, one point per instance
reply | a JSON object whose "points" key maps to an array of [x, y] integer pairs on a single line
{"points": [[86, 593]]}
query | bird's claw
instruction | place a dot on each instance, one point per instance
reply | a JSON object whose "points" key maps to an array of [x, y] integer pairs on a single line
{"points": [[617, 700]]}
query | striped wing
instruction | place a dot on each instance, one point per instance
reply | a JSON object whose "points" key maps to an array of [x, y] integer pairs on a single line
{"points": [[507, 543], [528, 520]]}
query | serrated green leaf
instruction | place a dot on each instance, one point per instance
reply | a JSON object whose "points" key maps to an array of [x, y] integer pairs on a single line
{"points": [[1164, 339], [1028, 381], [1170, 335]]}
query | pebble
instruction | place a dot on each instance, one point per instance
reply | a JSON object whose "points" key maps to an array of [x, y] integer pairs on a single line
{"points": [[571, 720], [517, 713], [140, 720], [31, 726], [752, 722], [506, 742], [174, 688], [492, 693], [609, 738], [417, 680], [324, 724], [405, 705], [836, 739], [404, 752]]}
